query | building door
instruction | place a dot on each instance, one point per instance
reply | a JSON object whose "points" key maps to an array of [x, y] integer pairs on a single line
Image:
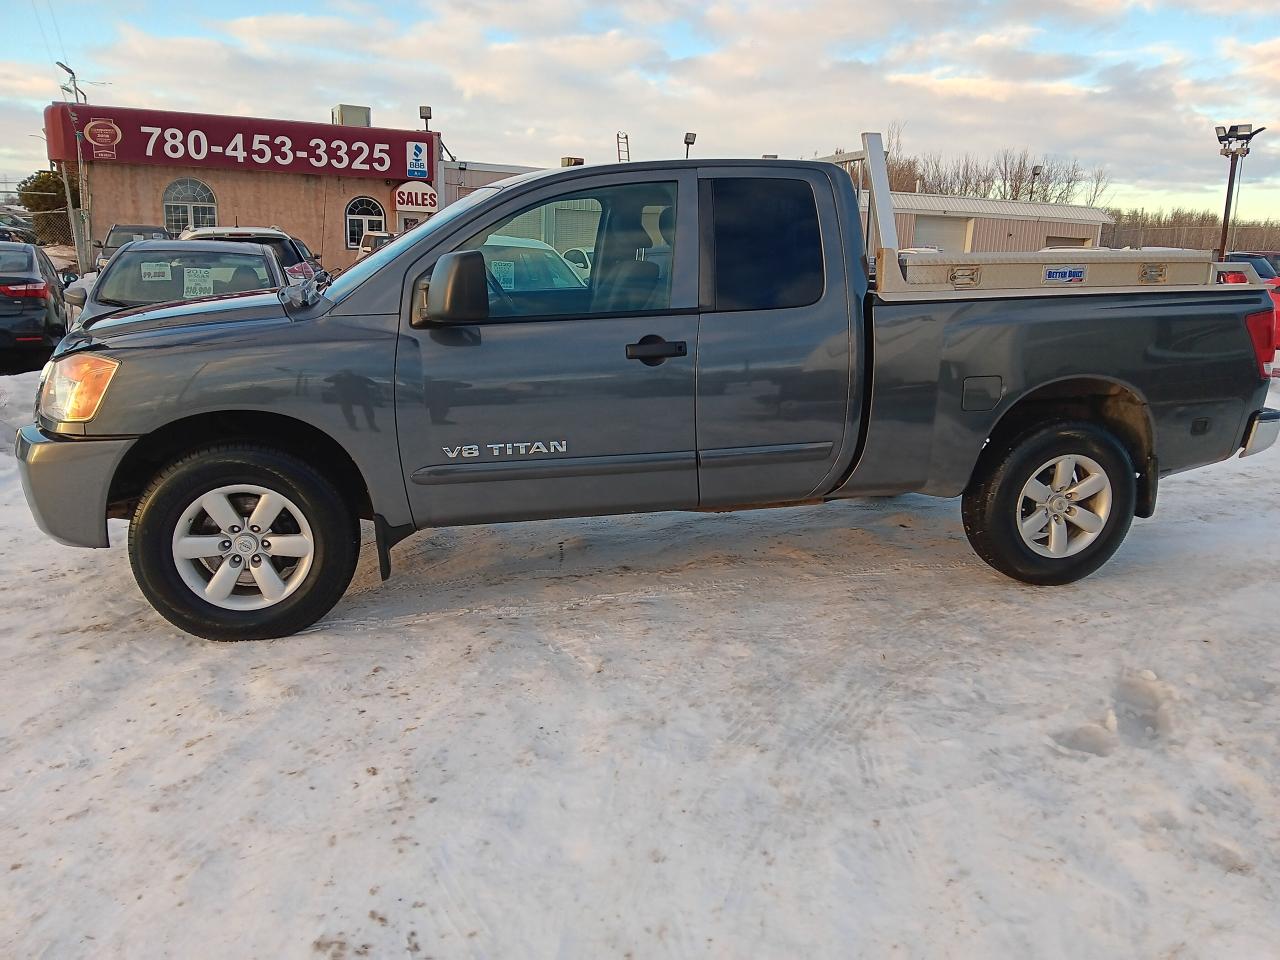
{"points": [[575, 397], [948, 234]]}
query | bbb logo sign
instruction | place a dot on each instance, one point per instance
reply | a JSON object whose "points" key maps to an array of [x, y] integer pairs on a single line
{"points": [[416, 160]]}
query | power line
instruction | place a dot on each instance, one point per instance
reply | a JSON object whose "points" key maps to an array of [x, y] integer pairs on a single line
{"points": [[57, 29], [43, 35]]}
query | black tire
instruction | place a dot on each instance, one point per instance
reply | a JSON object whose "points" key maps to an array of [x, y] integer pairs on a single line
{"points": [[334, 529], [991, 504]]}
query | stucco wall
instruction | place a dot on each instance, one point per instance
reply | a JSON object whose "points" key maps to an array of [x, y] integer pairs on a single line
{"points": [[309, 207]]}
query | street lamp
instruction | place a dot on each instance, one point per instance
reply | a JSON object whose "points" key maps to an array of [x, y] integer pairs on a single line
{"points": [[689, 139], [1235, 144], [77, 93], [1035, 172]]}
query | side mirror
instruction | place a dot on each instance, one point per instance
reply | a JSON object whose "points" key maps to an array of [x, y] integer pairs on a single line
{"points": [[76, 297], [97, 244], [457, 292]]}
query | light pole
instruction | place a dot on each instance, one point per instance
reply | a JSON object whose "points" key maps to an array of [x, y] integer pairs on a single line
{"points": [[77, 93], [1235, 144], [689, 139], [1035, 172]]}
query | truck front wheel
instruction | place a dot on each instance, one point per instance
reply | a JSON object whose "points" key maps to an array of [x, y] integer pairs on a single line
{"points": [[1053, 505], [242, 542]]}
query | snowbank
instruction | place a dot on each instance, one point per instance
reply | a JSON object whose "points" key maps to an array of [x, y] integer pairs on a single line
{"points": [[819, 732]]}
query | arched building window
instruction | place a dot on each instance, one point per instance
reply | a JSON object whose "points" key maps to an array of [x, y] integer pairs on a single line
{"points": [[189, 203], [363, 214]]}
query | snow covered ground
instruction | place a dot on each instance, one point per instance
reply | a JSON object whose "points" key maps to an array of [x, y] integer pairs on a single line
{"points": [[817, 732]]}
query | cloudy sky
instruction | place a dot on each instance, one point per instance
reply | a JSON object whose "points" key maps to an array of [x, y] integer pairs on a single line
{"points": [[1135, 84]]}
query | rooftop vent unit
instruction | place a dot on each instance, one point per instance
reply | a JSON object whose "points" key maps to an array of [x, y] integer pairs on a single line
{"points": [[348, 115]]}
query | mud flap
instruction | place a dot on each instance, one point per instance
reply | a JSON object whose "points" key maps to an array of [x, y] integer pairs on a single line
{"points": [[1148, 485], [386, 537]]}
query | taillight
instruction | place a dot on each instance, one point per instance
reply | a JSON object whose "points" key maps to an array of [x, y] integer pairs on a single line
{"points": [[302, 270], [1262, 331], [36, 291]]}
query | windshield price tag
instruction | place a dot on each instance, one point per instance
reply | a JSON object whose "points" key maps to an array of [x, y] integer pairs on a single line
{"points": [[197, 282], [156, 271], [504, 271]]}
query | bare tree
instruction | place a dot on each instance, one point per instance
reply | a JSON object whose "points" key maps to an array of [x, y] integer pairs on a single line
{"points": [[1096, 186]]}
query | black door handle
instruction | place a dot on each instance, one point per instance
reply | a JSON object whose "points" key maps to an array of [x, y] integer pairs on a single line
{"points": [[653, 350]]}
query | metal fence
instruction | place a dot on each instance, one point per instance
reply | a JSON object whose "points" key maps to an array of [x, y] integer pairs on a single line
{"points": [[54, 227]]}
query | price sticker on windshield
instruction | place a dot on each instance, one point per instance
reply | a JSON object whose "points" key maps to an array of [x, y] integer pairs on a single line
{"points": [[504, 271], [156, 271], [197, 282]]}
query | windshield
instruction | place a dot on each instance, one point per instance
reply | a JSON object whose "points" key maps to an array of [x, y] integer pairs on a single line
{"points": [[140, 277], [119, 236], [282, 246], [525, 268], [349, 279]]}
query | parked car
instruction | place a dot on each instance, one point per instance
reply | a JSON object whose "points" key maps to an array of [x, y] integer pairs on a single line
{"points": [[33, 315], [146, 272], [8, 219], [16, 229], [122, 233], [523, 265], [1271, 256], [579, 258], [1266, 270], [448, 378], [299, 262], [373, 240]]}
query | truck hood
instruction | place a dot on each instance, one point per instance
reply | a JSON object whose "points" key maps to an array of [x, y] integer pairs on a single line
{"points": [[231, 308]]}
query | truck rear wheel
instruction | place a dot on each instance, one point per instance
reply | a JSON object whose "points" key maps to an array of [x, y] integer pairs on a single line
{"points": [[241, 542], [1052, 506]]}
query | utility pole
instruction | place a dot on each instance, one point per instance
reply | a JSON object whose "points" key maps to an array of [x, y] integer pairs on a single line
{"points": [[1235, 144]]}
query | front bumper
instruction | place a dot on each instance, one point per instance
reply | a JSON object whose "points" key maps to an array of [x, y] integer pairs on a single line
{"points": [[1264, 428], [66, 482]]}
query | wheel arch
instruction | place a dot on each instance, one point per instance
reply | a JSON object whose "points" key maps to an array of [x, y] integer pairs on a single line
{"points": [[1108, 401], [297, 437]]}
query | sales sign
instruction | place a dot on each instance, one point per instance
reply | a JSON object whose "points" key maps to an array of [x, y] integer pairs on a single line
{"points": [[416, 197], [164, 137]]}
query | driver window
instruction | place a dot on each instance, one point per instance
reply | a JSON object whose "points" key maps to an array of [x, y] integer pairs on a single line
{"points": [[590, 253]]}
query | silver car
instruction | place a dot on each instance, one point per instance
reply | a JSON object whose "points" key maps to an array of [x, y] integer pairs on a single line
{"points": [[147, 272]]}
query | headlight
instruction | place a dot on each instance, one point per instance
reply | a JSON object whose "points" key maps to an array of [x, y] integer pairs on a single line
{"points": [[72, 388]]}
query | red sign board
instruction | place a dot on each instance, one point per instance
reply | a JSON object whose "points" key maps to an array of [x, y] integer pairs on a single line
{"points": [[165, 137]]}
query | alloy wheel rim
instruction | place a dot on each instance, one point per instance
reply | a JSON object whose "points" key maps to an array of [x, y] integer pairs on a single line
{"points": [[1064, 506], [243, 547]]}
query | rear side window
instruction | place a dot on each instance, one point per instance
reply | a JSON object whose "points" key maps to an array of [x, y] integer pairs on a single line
{"points": [[768, 250]]}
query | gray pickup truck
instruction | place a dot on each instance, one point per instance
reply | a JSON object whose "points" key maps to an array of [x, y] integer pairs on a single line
{"points": [[726, 349]]}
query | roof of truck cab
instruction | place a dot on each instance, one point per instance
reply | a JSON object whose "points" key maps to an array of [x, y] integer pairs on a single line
{"points": [[641, 166]]}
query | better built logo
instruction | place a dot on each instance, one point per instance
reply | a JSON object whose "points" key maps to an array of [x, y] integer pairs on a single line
{"points": [[1066, 274], [416, 160]]}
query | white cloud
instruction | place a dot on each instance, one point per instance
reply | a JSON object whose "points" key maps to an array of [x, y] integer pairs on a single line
{"points": [[519, 83]]}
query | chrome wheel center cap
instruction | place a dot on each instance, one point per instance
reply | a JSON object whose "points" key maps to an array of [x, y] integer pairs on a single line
{"points": [[246, 543], [1058, 504]]}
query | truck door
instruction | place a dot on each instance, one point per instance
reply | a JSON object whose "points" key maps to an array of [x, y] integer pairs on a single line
{"points": [[575, 397], [774, 344]]}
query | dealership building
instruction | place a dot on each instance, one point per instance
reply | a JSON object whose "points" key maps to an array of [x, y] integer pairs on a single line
{"points": [[326, 183]]}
